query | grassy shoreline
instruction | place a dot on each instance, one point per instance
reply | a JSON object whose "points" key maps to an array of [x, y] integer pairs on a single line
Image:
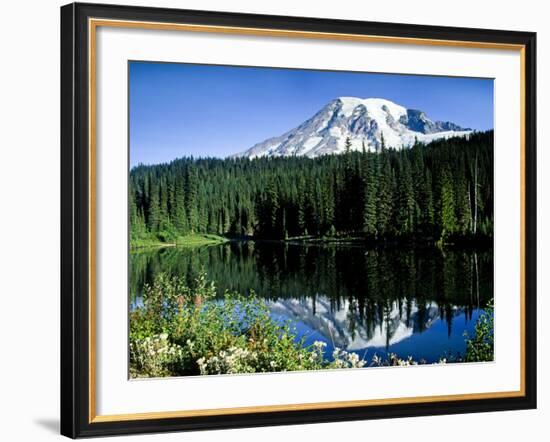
{"points": [[191, 240], [208, 239]]}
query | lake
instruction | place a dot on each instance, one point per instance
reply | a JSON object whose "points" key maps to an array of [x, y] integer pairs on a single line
{"points": [[415, 302]]}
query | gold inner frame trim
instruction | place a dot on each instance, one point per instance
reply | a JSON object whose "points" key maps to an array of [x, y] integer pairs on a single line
{"points": [[93, 24]]}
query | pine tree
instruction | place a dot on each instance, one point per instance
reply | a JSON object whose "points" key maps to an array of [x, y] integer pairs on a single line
{"points": [[370, 180], [153, 214], [309, 207], [405, 204], [382, 142], [137, 222], [164, 223], [191, 193], [348, 200], [418, 170], [427, 203], [328, 201], [272, 207], [347, 146], [448, 214], [179, 215], [462, 194], [384, 208]]}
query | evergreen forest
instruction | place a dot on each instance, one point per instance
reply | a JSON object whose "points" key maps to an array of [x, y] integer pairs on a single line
{"points": [[438, 192]]}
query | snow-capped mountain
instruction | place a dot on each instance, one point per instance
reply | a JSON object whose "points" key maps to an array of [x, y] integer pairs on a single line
{"points": [[363, 121]]}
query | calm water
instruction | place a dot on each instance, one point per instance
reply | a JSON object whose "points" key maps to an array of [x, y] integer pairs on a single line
{"points": [[408, 302]]}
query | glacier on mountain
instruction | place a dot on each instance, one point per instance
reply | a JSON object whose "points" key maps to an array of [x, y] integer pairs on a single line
{"points": [[364, 121]]}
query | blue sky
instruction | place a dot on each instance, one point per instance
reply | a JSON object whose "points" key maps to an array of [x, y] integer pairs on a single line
{"points": [[184, 109]]}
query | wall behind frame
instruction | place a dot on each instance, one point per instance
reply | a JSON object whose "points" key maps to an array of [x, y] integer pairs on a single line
{"points": [[29, 218]]}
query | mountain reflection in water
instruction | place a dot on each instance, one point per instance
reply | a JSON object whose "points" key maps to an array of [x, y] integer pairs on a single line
{"points": [[413, 302]]}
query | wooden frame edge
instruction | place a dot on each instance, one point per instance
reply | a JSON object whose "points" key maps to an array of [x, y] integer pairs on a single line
{"points": [[92, 417], [275, 32], [303, 407]]}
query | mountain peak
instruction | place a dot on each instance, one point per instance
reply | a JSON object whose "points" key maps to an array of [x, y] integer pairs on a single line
{"points": [[363, 121], [349, 104]]}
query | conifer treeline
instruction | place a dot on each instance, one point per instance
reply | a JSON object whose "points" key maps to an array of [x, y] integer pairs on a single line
{"points": [[440, 190]]}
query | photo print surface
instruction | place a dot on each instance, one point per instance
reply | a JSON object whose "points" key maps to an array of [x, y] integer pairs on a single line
{"points": [[287, 219]]}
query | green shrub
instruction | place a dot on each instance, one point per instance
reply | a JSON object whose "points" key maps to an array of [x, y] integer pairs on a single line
{"points": [[212, 336], [154, 356], [480, 347]]}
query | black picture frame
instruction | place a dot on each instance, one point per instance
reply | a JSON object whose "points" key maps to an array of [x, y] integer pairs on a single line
{"points": [[75, 220]]}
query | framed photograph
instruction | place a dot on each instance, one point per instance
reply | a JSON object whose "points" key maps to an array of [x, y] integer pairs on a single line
{"points": [[279, 220]]}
